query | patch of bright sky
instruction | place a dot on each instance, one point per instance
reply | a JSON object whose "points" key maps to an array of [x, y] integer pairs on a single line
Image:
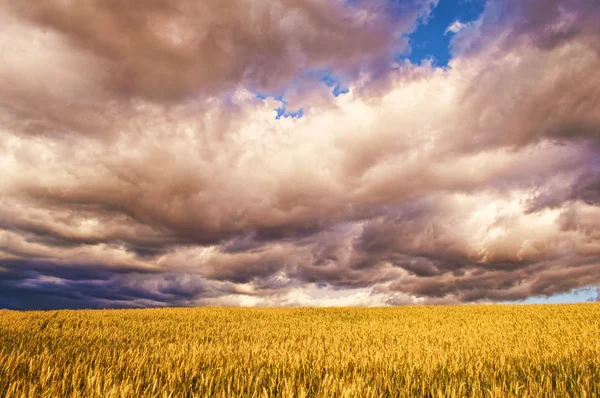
{"points": [[431, 39], [575, 296], [283, 112], [338, 88]]}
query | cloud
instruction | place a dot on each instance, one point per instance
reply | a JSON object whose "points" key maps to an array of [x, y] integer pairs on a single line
{"points": [[136, 175], [169, 50], [455, 27], [546, 25], [44, 285]]}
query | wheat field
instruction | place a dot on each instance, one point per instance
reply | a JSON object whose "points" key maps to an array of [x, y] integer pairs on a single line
{"points": [[480, 351]]}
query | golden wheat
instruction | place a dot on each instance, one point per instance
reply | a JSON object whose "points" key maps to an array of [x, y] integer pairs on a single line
{"points": [[481, 351]]}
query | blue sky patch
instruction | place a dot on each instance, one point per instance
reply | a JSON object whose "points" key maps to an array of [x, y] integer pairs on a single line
{"points": [[431, 40], [283, 112], [575, 296], [338, 88]]}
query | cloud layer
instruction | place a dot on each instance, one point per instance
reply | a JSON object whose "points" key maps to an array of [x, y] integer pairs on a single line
{"points": [[140, 168]]}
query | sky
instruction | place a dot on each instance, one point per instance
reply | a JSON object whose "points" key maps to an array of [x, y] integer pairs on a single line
{"points": [[299, 152]]}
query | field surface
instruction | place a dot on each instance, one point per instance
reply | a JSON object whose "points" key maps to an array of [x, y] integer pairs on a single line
{"points": [[491, 351]]}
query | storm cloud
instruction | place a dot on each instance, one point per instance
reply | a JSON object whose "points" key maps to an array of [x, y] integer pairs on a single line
{"points": [[142, 162]]}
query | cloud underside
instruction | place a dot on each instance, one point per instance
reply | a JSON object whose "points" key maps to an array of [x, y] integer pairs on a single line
{"points": [[139, 168]]}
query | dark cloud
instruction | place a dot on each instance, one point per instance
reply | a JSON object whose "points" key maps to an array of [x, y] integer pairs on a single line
{"points": [[518, 283], [546, 24], [43, 285], [587, 188], [552, 23], [167, 50], [584, 187], [538, 80]]}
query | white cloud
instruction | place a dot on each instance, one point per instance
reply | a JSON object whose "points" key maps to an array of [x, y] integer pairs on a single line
{"points": [[455, 27]]}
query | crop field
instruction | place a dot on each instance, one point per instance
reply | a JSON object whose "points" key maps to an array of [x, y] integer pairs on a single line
{"points": [[481, 351]]}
